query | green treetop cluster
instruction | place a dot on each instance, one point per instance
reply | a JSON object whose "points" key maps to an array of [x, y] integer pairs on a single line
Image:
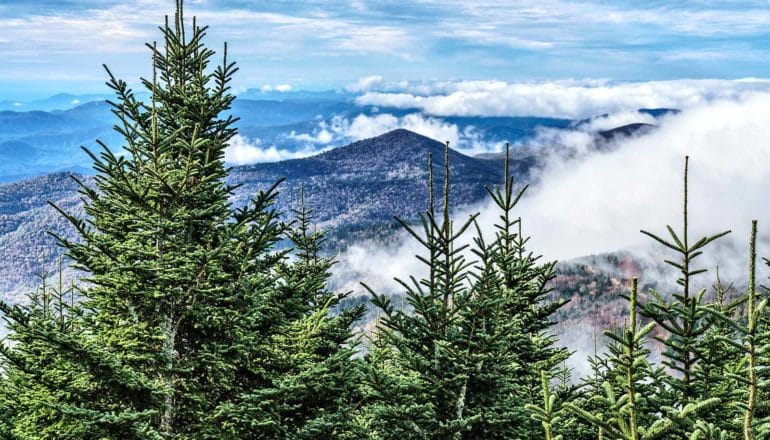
{"points": [[192, 323]]}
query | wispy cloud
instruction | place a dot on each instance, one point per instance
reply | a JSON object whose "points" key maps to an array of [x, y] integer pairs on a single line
{"points": [[565, 99], [321, 32], [492, 37], [242, 151]]}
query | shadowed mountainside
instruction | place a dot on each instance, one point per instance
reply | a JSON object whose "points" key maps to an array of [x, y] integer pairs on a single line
{"points": [[356, 188]]}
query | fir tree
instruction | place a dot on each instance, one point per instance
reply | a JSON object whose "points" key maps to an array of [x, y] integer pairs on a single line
{"points": [[748, 342], [636, 394], [35, 376], [683, 317], [633, 410], [721, 367], [549, 414], [460, 363], [192, 325], [7, 410], [307, 355], [419, 383], [753, 340]]}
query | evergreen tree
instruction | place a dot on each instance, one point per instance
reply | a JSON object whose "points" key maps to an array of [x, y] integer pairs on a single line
{"points": [[753, 341], [35, 376], [636, 394], [747, 342], [418, 379], [634, 411], [460, 363], [191, 324], [721, 367], [331, 375], [549, 414], [7, 411], [307, 356], [683, 317]]}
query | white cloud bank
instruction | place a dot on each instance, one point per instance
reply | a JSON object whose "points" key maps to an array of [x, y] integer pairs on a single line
{"points": [[342, 129], [242, 151], [561, 99], [282, 88], [607, 104], [619, 119], [598, 203], [363, 126]]}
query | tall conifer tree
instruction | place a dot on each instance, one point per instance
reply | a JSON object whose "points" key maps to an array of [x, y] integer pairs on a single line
{"points": [[464, 361], [309, 379], [635, 411], [191, 325], [683, 316]]}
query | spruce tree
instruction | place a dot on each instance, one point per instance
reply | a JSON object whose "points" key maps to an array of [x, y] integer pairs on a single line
{"points": [[634, 411], [464, 360], [683, 316], [191, 324]]}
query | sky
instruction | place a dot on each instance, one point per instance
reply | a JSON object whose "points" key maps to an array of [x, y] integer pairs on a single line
{"points": [[51, 46]]}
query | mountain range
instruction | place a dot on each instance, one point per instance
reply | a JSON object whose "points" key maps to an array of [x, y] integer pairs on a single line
{"points": [[358, 187], [354, 188], [354, 191], [43, 137]]}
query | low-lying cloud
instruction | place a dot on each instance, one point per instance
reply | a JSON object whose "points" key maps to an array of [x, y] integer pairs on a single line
{"points": [[619, 119], [282, 88], [596, 201], [560, 99], [242, 151], [595, 105], [363, 126], [340, 130]]}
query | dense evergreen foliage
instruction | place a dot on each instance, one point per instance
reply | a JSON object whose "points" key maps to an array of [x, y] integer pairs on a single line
{"points": [[465, 358], [190, 323], [196, 320]]}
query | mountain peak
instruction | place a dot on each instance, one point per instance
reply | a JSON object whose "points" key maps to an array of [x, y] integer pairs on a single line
{"points": [[403, 132], [372, 179], [400, 134], [399, 146], [628, 130]]}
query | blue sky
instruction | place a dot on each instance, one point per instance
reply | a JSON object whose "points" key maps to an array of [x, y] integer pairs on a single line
{"points": [[49, 46]]}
